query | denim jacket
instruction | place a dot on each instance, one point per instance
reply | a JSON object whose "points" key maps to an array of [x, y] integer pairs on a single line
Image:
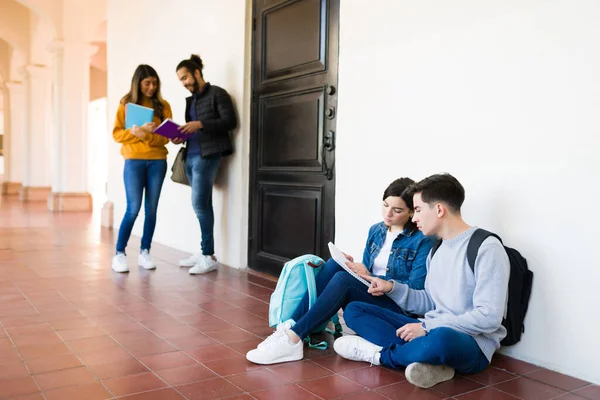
{"points": [[407, 262]]}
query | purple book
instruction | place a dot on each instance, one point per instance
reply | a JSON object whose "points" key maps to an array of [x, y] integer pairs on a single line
{"points": [[168, 129]]}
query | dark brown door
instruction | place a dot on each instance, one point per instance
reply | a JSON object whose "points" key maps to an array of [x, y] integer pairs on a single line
{"points": [[292, 142]]}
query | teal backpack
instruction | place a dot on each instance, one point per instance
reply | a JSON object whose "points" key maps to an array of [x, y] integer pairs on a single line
{"points": [[297, 278]]}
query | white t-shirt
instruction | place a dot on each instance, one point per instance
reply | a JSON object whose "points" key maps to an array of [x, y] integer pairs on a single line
{"points": [[381, 261]]}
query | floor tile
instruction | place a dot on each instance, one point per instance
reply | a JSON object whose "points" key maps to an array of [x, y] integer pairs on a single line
{"points": [[486, 394], [232, 365], [54, 363], [289, 392], [374, 377], [17, 387], [555, 379], [210, 389], [257, 380], [91, 391], [511, 365], [301, 371], [66, 377], [491, 376], [331, 386], [211, 353], [528, 389], [133, 384], [186, 374], [407, 391], [166, 360], [13, 370], [126, 367], [591, 392], [161, 394]]}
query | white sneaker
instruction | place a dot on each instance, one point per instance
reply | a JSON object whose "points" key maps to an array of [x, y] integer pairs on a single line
{"points": [[277, 348], [356, 348], [427, 375], [190, 261], [281, 330], [145, 261], [119, 263], [203, 265]]}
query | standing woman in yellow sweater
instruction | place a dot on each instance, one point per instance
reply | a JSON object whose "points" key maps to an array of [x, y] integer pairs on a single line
{"points": [[145, 163]]}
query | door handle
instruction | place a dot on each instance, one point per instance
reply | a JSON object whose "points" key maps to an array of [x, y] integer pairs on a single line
{"points": [[328, 147], [329, 141]]}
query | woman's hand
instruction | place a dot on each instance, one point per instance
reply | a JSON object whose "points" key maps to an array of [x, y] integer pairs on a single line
{"points": [[409, 332], [358, 268], [348, 257], [149, 127], [177, 140], [379, 286], [138, 132], [191, 127]]}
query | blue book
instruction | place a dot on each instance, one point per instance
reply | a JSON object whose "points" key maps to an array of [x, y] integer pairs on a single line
{"points": [[137, 115]]}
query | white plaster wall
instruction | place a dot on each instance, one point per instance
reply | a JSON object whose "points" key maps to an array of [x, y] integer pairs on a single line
{"points": [[505, 95], [216, 31]]}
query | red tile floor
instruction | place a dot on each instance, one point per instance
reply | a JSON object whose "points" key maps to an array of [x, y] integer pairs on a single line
{"points": [[73, 329]]}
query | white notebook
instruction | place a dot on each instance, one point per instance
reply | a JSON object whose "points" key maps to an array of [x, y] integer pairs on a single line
{"points": [[339, 257]]}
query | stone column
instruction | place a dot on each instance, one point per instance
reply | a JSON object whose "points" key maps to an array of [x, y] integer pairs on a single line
{"points": [[13, 136], [37, 151], [71, 101]]}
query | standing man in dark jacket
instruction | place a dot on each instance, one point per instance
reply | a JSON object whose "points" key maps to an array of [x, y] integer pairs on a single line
{"points": [[210, 117]]}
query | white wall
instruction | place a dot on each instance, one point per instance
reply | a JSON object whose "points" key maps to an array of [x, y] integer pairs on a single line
{"points": [[217, 30], [505, 96]]}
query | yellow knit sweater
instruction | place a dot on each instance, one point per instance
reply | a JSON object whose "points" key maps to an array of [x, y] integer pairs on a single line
{"points": [[152, 147]]}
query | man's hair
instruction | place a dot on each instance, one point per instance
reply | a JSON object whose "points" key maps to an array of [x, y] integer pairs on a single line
{"points": [[398, 188], [442, 188], [194, 63]]}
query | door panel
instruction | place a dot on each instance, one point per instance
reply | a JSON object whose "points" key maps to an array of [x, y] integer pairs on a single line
{"points": [[292, 141]]}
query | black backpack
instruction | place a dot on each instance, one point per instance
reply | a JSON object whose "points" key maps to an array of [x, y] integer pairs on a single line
{"points": [[519, 284]]}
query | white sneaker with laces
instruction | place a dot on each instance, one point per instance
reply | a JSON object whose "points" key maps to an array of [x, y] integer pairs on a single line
{"points": [[427, 375], [280, 330], [277, 348], [203, 265], [356, 348], [119, 263], [190, 261], [145, 261]]}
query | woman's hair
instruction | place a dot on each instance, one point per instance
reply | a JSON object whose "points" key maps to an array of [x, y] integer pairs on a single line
{"points": [[398, 188], [194, 63], [142, 72]]}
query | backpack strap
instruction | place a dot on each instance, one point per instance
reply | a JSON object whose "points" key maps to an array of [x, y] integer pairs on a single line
{"points": [[436, 246], [475, 243], [310, 282]]}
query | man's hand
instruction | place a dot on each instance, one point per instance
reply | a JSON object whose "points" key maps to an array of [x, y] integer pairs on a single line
{"points": [[191, 127], [409, 332], [358, 268], [379, 286], [149, 127], [177, 140], [138, 132]]}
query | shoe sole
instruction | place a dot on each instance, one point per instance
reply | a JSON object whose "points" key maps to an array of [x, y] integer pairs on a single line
{"points": [[202, 273], [278, 361], [121, 272], [428, 378]]}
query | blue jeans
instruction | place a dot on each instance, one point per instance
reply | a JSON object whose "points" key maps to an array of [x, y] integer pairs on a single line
{"points": [[201, 173], [441, 346], [335, 289], [140, 175]]}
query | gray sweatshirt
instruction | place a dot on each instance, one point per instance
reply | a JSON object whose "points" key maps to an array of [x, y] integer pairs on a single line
{"points": [[456, 298]]}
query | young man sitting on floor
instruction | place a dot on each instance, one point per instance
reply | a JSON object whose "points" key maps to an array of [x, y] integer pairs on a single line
{"points": [[462, 324]]}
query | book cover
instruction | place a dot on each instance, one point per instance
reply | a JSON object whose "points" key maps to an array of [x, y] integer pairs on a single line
{"points": [[137, 115], [169, 129]]}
